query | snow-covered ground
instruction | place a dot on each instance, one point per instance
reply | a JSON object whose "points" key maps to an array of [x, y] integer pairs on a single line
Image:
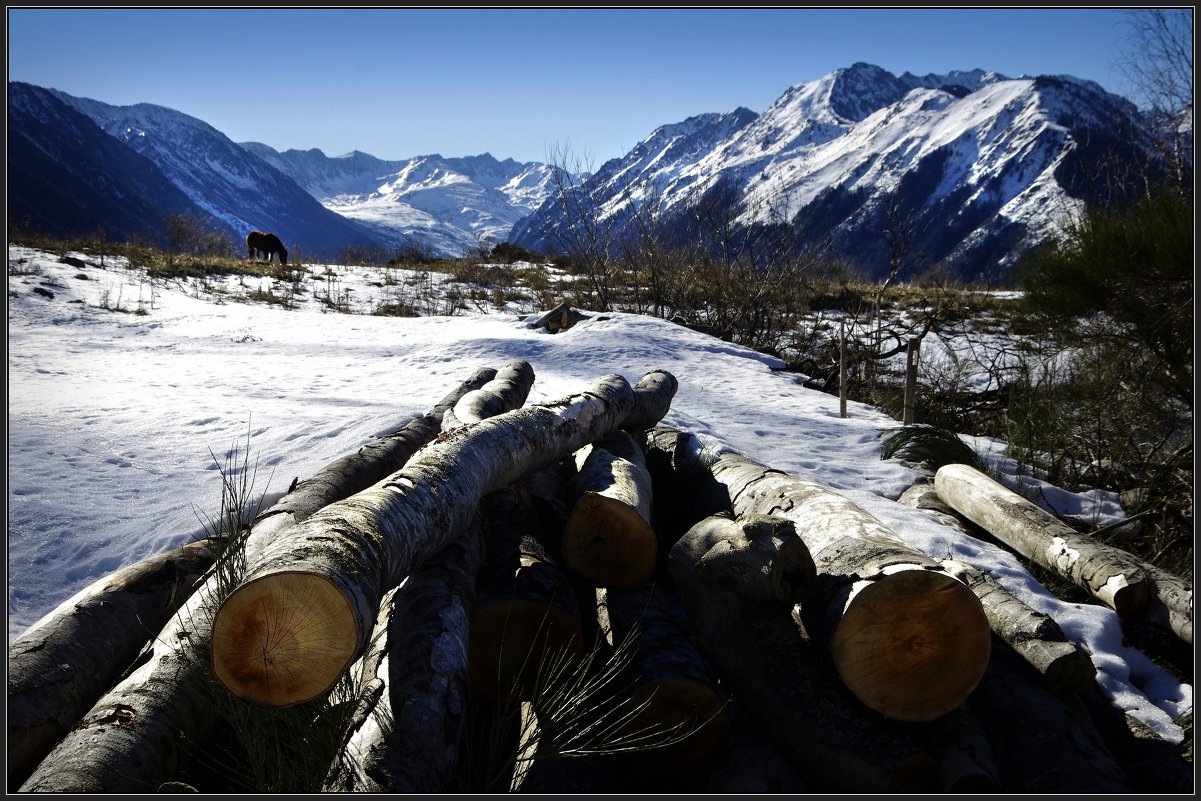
{"points": [[126, 395]]}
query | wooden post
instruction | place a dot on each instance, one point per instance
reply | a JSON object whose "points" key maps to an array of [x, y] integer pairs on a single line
{"points": [[912, 352], [842, 369]]}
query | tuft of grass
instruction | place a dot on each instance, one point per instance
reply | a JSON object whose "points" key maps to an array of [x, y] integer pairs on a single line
{"points": [[930, 446], [252, 748]]}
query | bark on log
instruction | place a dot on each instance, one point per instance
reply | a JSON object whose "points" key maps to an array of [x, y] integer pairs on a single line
{"points": [[1110, 575], [835, 743], [168, 696], [1035, 636], [1043, 742], [909, 639], [528, 615], [1171, 603], [761, 555], [675, 703], [409, 742], [609, 539], [303, 614], [507, 391], [139, 732], [61, 665]]}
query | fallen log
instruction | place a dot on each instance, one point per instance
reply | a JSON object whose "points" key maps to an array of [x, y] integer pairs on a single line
{"points": [[61, 665], [302, 615], [1035, 636], [507, 391], [168, 695], [557, 319], [834, 743], [762, 554], [1110, 575], [674, 705], [1172, 602], [528, 615], [409, 741], [608, 538], [909, 639]]}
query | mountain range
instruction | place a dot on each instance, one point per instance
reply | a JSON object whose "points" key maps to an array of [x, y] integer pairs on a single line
{"points": [[970, 168]]}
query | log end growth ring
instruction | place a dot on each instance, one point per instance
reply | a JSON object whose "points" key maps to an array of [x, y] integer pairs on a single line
{"points": [[609, 543], [283, 639], [913, 644]]}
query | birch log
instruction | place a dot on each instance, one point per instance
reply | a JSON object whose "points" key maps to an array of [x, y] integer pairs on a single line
{"points": [[64, 662], [1035, 636], [299, 618], [169, 696], [508, 390], [834, 743], [675, 708], [528, 616], [1110, 575], [409, 742], [608, 538], [909, 639]]}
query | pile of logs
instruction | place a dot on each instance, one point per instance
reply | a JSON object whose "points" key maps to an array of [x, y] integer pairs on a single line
{"points": [[631, 610]]}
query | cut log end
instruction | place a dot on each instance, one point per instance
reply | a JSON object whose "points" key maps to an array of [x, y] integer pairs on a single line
{"points": [[515, 644], [680, 724], [283, 639], [913, 645], [609, 543]]}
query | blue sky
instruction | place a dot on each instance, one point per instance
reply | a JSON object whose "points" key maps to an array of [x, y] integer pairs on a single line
{"points": [[518, 83]]}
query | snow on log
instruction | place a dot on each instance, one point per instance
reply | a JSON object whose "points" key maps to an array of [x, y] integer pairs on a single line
{"points": [[608, 538], [409, 741], [907, 637], [168, 694], [304, 612], [834, 743], [64, 662], [1110, 575], [507, 391], [528, 615]]}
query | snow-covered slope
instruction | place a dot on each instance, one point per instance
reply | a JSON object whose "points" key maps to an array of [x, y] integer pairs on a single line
{"points": [[450, 205], [980, 166]]}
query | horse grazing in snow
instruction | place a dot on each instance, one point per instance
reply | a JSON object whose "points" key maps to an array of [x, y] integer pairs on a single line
{"points": [[260, 242]]}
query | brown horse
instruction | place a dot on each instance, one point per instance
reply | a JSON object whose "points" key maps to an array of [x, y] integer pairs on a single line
{"points": [[260, 242]]}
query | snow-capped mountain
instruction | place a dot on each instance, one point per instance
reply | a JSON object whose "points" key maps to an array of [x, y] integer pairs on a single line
{"points": [[976, 165], [230, 184], [68, 177], [451, 206]]}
